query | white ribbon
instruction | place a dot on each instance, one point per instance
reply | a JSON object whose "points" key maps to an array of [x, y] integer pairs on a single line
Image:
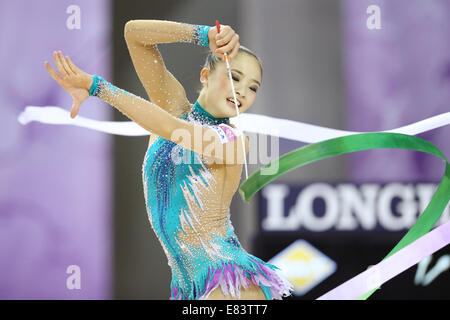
{"points": [[288, 129]]}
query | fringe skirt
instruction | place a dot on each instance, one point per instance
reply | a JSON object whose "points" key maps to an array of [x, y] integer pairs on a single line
{"points": [[231, 277]]}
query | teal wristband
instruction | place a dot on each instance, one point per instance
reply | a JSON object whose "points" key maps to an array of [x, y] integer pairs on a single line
{"points": [[94, 86], [201, 35], [100, 85]]}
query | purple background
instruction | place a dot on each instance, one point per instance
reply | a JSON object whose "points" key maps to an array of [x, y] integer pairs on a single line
{"points": [[57, 181], [395, 76], [55, 191]]}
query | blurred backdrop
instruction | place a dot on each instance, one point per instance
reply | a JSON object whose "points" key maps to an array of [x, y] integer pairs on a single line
{"points": [[73, 223]]}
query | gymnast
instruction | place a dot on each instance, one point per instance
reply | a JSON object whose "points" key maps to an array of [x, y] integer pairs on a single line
{"points": [[193, 164]]}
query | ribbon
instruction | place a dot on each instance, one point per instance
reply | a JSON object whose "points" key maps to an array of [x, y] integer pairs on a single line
{"points": [[288, 129], [358, 142], [59, 116], [339, 142], [391, 266]]}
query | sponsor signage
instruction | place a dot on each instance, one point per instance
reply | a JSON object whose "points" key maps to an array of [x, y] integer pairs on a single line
{"points": [[323, 207], [303, 266]]}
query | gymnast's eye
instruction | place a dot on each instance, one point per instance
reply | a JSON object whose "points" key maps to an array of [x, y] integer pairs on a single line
{"points": [[234, 78], [254, 89]]}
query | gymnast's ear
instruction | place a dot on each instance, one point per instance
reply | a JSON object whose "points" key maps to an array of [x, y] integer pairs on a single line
{"points": [[204, 74]]}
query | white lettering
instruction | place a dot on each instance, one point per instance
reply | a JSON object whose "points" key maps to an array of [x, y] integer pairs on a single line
{"points": [[74, 280], [308, 218], [359, 202], [373, 21], [74, 20], [275, 195], [348, 207], [423, 278], [274, 150], [407, 208], [425, 191], [199, 310]]}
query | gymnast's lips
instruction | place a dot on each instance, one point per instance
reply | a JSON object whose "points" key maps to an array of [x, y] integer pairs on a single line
{"points": [[231, 100]]}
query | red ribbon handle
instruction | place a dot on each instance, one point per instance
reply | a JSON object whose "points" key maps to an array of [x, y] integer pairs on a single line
{"points": [[218, 26]]}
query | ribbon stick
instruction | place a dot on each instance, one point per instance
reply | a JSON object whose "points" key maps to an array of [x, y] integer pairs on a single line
{"points": [[235, 102]]}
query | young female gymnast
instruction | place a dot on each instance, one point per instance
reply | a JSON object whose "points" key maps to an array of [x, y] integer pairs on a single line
{"points": [[193, 164]]}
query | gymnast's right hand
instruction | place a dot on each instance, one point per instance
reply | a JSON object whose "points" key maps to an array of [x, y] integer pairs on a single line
{"points": [[225, 41], [73, 79]]}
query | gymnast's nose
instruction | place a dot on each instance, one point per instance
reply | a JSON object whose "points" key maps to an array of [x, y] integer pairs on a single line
{"points": [[240, 92]]}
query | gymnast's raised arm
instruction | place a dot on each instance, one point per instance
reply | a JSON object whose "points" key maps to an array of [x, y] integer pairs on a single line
{"points": [[142, 37], [200, 139]]}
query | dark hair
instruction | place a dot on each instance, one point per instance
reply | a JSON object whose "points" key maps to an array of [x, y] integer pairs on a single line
{"points": [[212, 60]]}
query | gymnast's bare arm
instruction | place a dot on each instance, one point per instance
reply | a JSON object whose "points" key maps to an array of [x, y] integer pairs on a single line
{"points": [[200, 139]]}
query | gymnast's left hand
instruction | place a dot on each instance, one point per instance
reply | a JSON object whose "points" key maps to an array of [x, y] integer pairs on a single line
{"points": [[72, 79]]}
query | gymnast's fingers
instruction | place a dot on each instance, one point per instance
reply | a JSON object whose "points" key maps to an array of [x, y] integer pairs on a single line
{"points": [[54, 74], [64, 64], [235, 50], [59, 65], [72, 66], [230, 46], [224, 36], [75, 108]]}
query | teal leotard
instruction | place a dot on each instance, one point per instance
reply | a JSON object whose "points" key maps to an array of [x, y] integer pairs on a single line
{"points": [[197, 270], [177, 189]]}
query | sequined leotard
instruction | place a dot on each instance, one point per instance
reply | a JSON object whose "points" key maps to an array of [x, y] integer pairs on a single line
{"points": [[201, 246], [187, 200], [180, 190]]}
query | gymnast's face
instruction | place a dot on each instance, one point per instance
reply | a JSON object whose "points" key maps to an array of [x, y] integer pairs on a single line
{"points": [[217, 95]]}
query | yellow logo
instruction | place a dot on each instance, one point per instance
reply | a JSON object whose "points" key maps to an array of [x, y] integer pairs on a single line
{"points": [[304, 266]]}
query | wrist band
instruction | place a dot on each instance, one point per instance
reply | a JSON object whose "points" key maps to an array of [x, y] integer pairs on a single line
{"points": [[201, 35], [100, 85], [94, 87]]}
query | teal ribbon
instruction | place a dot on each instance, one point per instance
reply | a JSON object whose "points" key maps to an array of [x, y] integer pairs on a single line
{"points": [[358, 142]]}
